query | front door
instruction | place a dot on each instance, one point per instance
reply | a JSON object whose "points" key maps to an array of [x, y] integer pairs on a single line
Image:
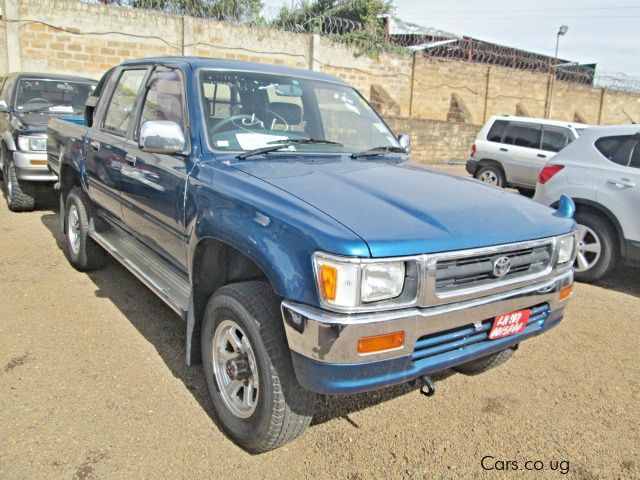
{"points": [[153, 184], [521, 147]]}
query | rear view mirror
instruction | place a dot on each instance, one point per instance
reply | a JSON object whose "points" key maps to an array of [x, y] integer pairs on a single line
{"points": [[288, 91], [405, 141], [161, 136], [3, 106]]}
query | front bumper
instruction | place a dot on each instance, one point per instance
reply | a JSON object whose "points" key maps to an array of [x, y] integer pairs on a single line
{"points": [[472, 167], [324, 344], [33, 167]]}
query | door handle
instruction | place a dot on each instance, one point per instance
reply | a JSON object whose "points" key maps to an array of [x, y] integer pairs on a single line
{"points": [[622, 183], [94, 145], [542, 155], [502, 149], [130, 159]]}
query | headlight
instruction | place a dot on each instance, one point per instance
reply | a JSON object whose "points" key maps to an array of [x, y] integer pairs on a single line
{"points": [[351, 283], [565, 249], [32, 144]]}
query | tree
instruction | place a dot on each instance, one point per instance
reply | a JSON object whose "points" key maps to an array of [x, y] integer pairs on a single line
{"points": [[230, 10]]}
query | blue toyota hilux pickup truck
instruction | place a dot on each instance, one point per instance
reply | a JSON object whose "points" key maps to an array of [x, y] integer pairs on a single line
{"points": [[276, 213]]}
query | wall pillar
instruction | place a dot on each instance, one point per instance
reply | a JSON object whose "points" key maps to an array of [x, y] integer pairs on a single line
{"points": [[314, 43], [11, 14]]}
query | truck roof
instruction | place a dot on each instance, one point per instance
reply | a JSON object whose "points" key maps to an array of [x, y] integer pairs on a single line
{"points": [[223, 64], [51, 76]]}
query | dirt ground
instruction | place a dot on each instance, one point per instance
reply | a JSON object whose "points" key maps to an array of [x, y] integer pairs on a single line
{"points": [[93, 384]]}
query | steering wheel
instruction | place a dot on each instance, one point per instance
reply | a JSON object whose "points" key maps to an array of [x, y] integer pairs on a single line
{"points": [[226, 121], [38, 100]]}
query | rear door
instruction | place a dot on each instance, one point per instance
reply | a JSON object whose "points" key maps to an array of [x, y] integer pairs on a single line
{"points": [[619, 181], [521, 146], [105, 155], [553, 140], [152, 183]]}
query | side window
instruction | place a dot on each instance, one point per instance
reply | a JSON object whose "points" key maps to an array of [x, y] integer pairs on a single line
{"points": [[527, 136], [617, 149], [555, 139], [123, 100], [164, 99], [497, 131], [635, 156]]}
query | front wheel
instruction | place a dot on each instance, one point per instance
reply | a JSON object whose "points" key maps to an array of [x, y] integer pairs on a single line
{"points": [[19, 198], [256, 397]]}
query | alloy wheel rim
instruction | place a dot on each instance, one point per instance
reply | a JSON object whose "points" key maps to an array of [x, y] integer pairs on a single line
{"points": [[235, 369], [489, 177], [589, 249], [73, 229]]}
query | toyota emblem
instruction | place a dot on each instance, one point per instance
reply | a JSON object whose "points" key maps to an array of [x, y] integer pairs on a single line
{"points": [[501, 266]]}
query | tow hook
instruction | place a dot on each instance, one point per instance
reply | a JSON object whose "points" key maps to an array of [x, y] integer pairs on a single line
{"points": [[428, 388]]}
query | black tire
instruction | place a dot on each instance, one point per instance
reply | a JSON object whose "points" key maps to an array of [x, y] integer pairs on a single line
{"points": [[488, 172], [88, 255], [526, 192], [19, 194], [607, 237], [481, 365], [283, 408]]}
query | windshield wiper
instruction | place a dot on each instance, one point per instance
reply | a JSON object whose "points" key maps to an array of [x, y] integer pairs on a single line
{"points": [[373, 152], [285, 143]]}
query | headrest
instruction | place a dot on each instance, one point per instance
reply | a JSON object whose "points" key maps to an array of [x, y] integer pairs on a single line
{"points": [[289, 112]]}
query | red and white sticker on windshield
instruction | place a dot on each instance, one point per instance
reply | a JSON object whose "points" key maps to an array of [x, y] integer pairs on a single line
{"points": [[509, 324]]}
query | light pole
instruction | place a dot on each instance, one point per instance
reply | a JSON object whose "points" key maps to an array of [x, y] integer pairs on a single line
{"points": [[563, 29]]}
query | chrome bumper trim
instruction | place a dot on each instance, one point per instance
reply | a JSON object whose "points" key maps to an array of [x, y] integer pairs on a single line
{"points": [[332, 337], [32, 173]]}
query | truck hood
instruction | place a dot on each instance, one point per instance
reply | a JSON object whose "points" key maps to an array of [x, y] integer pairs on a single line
{"points": [[36, 122], [401, 209]]}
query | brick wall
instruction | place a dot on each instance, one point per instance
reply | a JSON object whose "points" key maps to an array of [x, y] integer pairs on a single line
{"points": [[68, 36]]}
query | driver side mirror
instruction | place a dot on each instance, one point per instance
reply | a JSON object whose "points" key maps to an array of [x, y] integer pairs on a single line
{"points": [[161, 136], [405, 142], [3, 106]]}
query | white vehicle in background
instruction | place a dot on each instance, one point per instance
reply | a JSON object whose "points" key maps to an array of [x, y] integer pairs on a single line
{"points": [[511, 151], [601, 173]]}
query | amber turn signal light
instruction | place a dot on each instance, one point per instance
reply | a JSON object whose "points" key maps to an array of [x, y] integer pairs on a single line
{"points": [[38, 162], [566, 291], [329, 280], [380, 343]]}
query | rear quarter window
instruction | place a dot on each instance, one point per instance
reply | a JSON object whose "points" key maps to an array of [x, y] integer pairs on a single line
{"points": [[496, 131]]}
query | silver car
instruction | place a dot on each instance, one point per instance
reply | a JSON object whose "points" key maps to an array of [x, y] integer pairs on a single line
{"points": [[601, 172], [511, 151]]}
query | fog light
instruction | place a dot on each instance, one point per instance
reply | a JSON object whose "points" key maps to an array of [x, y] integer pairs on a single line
{"points": [[566, 292], [381, 343]]}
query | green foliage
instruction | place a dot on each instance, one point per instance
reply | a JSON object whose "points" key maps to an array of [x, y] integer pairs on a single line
{"points": [[352, 22], [230, 10]]}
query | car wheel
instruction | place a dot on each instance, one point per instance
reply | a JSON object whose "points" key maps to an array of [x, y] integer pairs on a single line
{"points": [[490, 174], [83, 252], [19, 199], [257, 399], [481, 365], [596, 251]]}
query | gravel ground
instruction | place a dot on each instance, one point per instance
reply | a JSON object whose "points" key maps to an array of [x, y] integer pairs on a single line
{"points": [[93, 384]]}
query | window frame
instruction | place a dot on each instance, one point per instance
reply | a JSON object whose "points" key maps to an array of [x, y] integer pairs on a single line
{"points": [[518, 125], [114, 81]]}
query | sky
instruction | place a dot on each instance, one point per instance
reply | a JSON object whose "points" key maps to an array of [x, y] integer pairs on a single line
{"points": [[602, 32]]}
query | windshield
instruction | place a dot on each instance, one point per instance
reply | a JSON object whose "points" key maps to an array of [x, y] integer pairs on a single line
{"points": [[246, 111], [35, 94]]}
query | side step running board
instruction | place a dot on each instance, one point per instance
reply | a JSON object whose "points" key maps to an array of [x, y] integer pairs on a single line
{"points": [[170, 284]]}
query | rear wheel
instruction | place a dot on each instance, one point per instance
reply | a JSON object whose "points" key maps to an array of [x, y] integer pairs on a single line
{"points": [[481, 365], [83, 252], [256, 397], [17, 194], [596, 247], [490, 174]]}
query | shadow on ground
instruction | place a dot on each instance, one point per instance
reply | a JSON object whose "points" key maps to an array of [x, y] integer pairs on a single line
{"points": [[623, 279], [166, 332]]}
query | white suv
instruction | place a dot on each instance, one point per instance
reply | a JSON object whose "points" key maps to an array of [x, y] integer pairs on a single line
{"points": [[601, 172], [511, 151]]}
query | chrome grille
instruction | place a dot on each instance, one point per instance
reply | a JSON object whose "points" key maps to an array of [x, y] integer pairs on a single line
{"points": [[452, 274]]}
